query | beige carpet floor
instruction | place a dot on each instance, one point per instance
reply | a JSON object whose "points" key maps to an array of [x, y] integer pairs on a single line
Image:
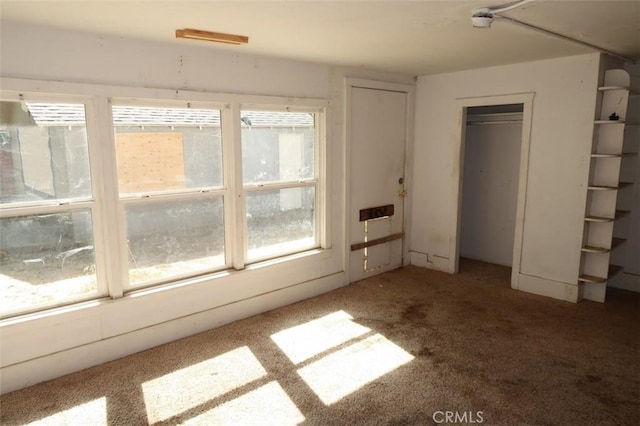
{"points": [[402, 348]]}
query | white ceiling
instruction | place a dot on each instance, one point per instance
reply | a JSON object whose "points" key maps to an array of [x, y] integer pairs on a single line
{"points": [[410, 37]]}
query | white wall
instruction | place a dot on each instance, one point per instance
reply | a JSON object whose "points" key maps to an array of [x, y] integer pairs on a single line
{"points": [[43, 346], [490, 190], [561, 134], [632, 225], [630, 197], [632, 264]]}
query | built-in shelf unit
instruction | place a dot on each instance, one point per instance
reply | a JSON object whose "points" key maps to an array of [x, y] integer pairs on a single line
{"points": [[608, 150]]}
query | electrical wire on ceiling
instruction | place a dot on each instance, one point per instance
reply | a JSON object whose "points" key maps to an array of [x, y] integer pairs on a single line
{"points": [[483, 18]]}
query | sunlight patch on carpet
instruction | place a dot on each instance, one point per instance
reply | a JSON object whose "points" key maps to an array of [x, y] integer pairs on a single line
{"points": [[180, 390], [267, 405], [306, 340], [91, 413], [347, 370]]}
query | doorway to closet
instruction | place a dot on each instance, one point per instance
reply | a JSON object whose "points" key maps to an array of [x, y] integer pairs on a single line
{"points": [[492, 150], [494, 190]]}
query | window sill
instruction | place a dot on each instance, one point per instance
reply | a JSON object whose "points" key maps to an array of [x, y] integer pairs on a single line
{"points": [[320, 253]]}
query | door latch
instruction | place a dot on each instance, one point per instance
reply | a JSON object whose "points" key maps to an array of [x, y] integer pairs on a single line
{"points": [[402, 193]]}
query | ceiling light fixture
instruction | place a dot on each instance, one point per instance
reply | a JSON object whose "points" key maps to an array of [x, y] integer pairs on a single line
{"points": [[192, 34], [483, 18]]}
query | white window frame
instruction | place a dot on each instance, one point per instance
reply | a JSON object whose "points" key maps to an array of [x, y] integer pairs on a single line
{"points": [[93, 203], [316, 181], [106, 205], [147, 198]]}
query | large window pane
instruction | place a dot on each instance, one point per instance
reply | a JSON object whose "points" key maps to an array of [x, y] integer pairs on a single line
{"points": [[172, 238], [167, 149], [277, 146], [43, 152], [280, 221], [45, 259]]}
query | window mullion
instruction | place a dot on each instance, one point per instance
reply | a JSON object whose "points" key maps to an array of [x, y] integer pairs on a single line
{"points": [[236, 225], [112, 215], [93, 137], [322, 175]]}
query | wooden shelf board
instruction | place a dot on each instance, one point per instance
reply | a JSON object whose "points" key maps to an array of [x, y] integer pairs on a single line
{"points": [[594, 249], [615, 242], [599, 155], [604, 219], [609, 122], [602, 188], [609, 188], [603, 155], [591, 279], [607, 88], [631, 91], [613, 271], [599, 219]]}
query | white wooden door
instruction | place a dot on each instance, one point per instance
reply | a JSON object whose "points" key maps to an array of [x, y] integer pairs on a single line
{"points": [[377, 136]]}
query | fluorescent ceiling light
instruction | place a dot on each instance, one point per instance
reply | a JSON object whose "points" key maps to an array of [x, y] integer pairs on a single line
{"points": [[211, 36]]}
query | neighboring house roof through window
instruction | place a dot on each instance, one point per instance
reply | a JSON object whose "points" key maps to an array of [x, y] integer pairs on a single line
{"points": [[46, 114]]}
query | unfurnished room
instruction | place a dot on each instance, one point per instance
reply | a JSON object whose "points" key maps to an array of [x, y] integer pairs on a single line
{"points": [[319, 212]]}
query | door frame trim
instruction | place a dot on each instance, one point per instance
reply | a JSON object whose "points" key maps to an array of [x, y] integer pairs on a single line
{"points": [[523, 174], [409, 90]]}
